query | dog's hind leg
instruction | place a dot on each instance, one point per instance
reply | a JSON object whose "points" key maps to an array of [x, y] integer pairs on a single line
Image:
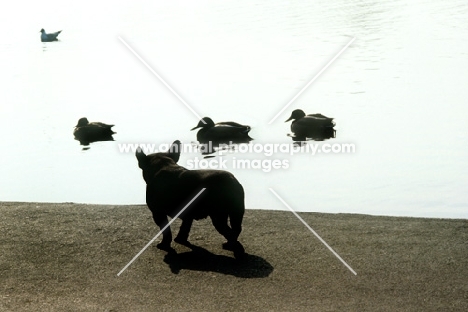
{"points": [[162, 221], [235, 246], [235, 219], [184, 231], [220, 223]]}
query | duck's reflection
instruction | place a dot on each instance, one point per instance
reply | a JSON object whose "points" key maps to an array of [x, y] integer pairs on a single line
{"points": [[315, 135]]}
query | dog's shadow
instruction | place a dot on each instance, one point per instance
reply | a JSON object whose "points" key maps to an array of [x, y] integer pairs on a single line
{"points": [[200, 259]]}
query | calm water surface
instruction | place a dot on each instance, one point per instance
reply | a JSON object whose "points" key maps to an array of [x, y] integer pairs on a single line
{"points": [[398, 93]]}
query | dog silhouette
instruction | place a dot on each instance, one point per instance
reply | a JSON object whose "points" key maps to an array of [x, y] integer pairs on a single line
{"points": [[169, 187]]}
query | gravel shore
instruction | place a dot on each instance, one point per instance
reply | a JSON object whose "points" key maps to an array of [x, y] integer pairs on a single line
{"points": [[65, 257]]}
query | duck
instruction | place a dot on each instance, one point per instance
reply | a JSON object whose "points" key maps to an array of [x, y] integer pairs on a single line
{"points": [[87, 132], [45, 37], [315, 126], [222, 132]]}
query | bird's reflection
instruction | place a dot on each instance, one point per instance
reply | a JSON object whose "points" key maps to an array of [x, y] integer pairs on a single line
{"points": [[314, 135]]}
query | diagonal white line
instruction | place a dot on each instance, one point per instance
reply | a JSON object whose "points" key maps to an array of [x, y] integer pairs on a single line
{"points": [[160, 78], [313, 232], [162, 230], [313, 79]]}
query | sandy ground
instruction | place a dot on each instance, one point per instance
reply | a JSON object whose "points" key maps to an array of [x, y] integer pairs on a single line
{"points": [[65, 257]]}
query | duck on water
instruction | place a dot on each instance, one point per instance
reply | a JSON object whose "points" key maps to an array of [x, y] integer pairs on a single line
{"points": [[314, 126], [226, 132], [87, 132]]}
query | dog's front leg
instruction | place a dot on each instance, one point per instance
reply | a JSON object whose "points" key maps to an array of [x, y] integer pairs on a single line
{"points": [[161, 221], [184, 231]]}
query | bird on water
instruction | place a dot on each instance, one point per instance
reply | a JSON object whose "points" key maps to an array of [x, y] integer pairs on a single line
{"points": [[87, 132], [222, 132], [315, 126], [45, 37]]}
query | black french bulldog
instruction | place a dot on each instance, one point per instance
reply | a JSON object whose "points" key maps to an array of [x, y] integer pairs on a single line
{"points": [[169, 187]]}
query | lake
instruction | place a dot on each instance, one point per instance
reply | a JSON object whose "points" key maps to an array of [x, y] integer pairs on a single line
{"points": [[398, 94]]}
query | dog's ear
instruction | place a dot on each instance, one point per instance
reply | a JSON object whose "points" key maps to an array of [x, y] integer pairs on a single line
{"points": [[141, 156], [174, 150]]}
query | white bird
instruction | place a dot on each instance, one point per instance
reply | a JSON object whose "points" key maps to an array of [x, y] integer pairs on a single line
{"points": [[45, 37]]}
